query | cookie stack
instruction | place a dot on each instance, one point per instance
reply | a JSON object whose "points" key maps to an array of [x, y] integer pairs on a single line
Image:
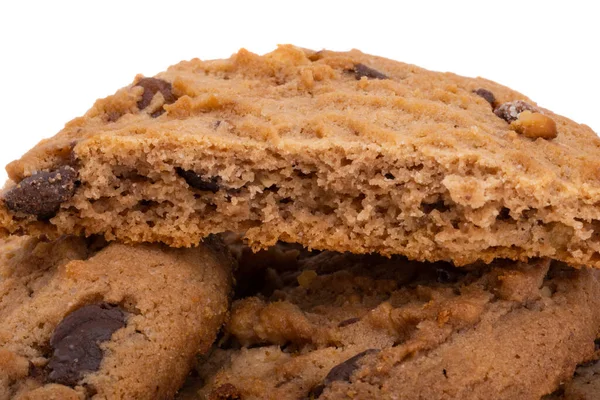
{"points": [[304, 225]]}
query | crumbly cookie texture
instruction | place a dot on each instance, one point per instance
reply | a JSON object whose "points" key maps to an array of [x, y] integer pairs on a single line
{"points": [[585, 384], [339, 151], [82, 320], [366, 327]]}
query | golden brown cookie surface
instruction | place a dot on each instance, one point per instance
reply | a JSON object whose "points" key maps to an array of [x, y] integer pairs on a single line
{"points": [[338, 151], [116, 322], [364, 327]]}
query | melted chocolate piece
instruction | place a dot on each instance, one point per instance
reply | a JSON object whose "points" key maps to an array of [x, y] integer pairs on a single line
{"points": [[76, 342], [341, 372], [198, 182], [487, 95], [361, 70], [151, 87], [42, 193]]}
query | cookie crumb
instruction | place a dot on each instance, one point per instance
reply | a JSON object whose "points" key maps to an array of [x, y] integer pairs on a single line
{"points": [[306, 278]]}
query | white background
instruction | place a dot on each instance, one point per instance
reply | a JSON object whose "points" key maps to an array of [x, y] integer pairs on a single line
{"points": [[57, 57]]}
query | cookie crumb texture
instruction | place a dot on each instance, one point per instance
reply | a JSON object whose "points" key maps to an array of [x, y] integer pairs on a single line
{"points": [[338, 151], [82, 320], [372, 328], [584, 386]]}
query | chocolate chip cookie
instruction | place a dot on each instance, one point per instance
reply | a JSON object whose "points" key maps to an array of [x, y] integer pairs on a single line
{"points": [[585, 384], [340, 326], [338, 151], [83, 319]]}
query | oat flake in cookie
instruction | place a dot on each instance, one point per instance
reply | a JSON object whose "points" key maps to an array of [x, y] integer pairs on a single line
{"points": [[81, 319], [341, 326], [337, 151]]}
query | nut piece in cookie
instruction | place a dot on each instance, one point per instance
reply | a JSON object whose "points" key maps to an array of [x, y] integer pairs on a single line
{"points": [[527, 120], [535, 125]]}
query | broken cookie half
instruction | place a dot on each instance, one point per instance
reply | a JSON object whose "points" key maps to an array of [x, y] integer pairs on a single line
{"points": [[337, 151]]}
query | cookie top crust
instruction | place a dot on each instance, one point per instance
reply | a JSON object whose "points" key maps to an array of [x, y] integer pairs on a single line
{"points": [[402, 161], [337, 326], [360, 100], [83, 319]]}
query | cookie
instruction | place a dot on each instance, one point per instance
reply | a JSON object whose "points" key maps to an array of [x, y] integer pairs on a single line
{"points": [[336, 151], [81, 319], [585, 384], [364, 327]]}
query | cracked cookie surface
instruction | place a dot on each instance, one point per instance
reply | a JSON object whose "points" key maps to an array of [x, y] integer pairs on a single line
{"points": [[339, 326], [337, 151], [82, 319]]}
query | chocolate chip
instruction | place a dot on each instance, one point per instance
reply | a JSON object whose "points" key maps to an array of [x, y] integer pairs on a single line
{"points": [[158, 113], [198, 182], [113, 116], [42, 193], [361, 70], [341, 372], [151, 87], [348, 321], [510, 111], [76, 342], [487, 95]]}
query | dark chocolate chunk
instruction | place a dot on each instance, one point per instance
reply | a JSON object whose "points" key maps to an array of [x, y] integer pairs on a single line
{"points": [[113, 116], [361, 70], [348, 321], [198, 182], [151, 87], [42, 193], [158, 113], [510, 111], [341, 372], [76, 342], [487, 95]]}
